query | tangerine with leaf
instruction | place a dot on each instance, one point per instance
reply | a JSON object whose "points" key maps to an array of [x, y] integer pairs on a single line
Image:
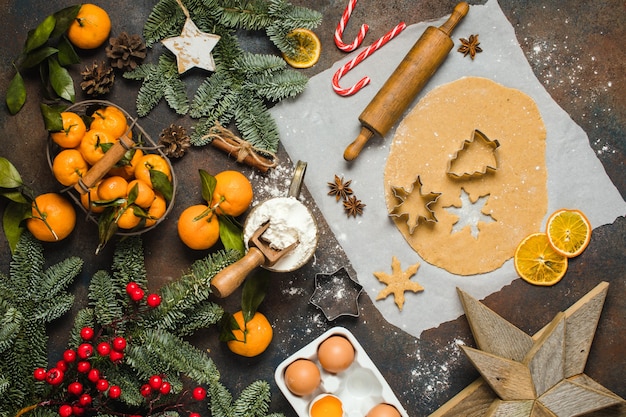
{"points": [[198, 227], [74, 129], [232, 194], [53, 218], [90, 28]]}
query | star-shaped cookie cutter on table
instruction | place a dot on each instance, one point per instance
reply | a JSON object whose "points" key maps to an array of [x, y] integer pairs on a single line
{"points": [[336, 294]]}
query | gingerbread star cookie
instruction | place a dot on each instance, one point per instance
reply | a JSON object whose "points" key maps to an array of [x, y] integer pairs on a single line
{"points": [[398, 282]]}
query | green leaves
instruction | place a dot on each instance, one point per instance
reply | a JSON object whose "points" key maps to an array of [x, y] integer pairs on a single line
{"points": [[19, 207], [51, 60]]}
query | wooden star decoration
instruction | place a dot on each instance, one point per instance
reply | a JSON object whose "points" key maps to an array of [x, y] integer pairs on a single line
{"points": [[538, 376], [192, 48], [414, 204], [398, 282]]}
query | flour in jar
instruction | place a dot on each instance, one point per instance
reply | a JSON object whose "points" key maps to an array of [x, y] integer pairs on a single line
{"points": [[290, 221]]}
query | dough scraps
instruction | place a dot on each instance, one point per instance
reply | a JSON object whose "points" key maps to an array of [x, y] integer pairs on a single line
{"points": [[514, 196]]}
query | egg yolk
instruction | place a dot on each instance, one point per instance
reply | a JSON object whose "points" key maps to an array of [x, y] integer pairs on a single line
{"points": [[327, 406]]}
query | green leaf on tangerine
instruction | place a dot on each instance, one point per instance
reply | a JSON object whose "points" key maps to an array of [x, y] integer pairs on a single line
{"points": [[162, 184], [61, 80], [231, 234], [64, 19], [12, 224], [40, 34], [208, 185], [52, 117], [9, 176]]}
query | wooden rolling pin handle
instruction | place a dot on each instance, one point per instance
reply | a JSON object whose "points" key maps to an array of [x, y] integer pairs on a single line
{"points": [[354, 149], [100, 168], [230, 278], [459, 12]]}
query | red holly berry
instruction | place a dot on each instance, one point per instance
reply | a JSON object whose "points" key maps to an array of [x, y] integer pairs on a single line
{"points": [[103, 348], [78, 411], [115, 356], [94, 375], [194, 415], [155, 382], [84, 400], [153, 300], [75, 388], [84, 351], [137, 294], [86, 333], [62, 365], [131, 286], [54, 376], [165, 388], [83, 367], [102, 385], [145, 390], [119, 343], [115, 392], [65, 410], [39, 374], [69, 355], [199, 393]]}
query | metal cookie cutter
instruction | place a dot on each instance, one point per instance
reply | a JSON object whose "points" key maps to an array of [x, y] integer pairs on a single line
{"points": [[280, 235]]}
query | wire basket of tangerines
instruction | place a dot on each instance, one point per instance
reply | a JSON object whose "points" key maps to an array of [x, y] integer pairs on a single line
{"points": [[111, 168]]}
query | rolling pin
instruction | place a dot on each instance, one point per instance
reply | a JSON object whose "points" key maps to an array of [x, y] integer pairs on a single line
{"points": [[407, 80]]}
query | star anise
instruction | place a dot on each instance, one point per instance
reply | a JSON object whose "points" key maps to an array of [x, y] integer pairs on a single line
{"points": [[339, 188], [353, 207], [470, 46]]}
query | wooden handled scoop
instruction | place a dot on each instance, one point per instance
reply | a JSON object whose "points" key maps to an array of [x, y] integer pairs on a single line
{"points": [[259, 253]]}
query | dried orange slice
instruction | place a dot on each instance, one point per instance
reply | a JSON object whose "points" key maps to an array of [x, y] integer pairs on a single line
{"points": [[537, 262], [308, 48], [569, 232]]}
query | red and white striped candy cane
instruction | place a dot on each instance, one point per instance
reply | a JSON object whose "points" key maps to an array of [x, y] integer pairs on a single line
{"points": [[341, 26], [358, 59]]}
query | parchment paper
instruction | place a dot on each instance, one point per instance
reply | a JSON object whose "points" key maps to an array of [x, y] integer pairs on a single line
{"points": [[317, 126]]}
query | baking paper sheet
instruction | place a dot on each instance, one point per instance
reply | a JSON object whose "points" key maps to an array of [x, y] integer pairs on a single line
{"points": [[317, 126]]}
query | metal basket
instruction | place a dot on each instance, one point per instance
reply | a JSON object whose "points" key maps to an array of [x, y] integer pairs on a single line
{"points": [[88, 107]]}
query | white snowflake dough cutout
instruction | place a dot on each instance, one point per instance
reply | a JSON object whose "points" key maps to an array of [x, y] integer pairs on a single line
{"points": [[192, 48]]}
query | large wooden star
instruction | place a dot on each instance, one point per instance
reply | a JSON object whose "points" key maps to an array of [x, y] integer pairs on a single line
{"points": [[192, 48], [398, 282], [538, 376]]}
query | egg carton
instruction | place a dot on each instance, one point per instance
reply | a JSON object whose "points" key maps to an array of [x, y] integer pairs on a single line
{"points": [[360, 387]]}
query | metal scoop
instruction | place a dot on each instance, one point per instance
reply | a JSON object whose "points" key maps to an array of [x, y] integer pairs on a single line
{"points": [[260, 251]]}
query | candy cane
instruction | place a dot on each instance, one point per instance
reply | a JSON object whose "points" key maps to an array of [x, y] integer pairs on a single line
{"points": [[359, 58], [341, 26]]}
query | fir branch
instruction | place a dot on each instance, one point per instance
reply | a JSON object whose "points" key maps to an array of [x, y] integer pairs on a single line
{"points": [[164, 21], [254, 400], [173, 355], [107, 306], [84, 318], [47, 310], [129, 264], [256, 124], [57, 278], [209, 95], [159, 81], [220, 400], [275, 88], [250, 15], [200, 318], [10, 326]]}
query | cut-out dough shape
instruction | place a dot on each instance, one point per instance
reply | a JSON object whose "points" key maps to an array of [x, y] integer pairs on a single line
{"points": [[398, 282], [425, 141], [470, 214], [476, 157], [414, 205]]}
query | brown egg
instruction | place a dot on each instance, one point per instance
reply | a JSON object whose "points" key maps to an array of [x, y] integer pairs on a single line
{"points": [[335, 354], [383, 410], [302, 377]]}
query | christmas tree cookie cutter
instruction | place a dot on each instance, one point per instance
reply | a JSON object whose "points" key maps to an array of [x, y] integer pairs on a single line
{"points": [[336, 294], [476, 157], [414, 205]]}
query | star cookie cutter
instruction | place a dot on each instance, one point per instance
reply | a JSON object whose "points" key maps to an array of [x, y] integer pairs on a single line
{"points": [[464, 164], [336, 294], [414, 199]]}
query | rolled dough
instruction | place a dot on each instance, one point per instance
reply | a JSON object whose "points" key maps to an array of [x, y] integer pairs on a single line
{"points": [[514, 196]]}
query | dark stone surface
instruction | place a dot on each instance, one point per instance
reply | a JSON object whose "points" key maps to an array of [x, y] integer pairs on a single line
{"points": [[576, 50]]}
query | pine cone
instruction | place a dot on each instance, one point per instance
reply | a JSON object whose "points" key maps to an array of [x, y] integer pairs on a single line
{"points": [[126, 51], [175, 141], [97, 79]]}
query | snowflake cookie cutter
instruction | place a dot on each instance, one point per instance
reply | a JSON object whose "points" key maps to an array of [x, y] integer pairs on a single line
{"points": [[336, 294], [462, 166], [411, 197]]}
